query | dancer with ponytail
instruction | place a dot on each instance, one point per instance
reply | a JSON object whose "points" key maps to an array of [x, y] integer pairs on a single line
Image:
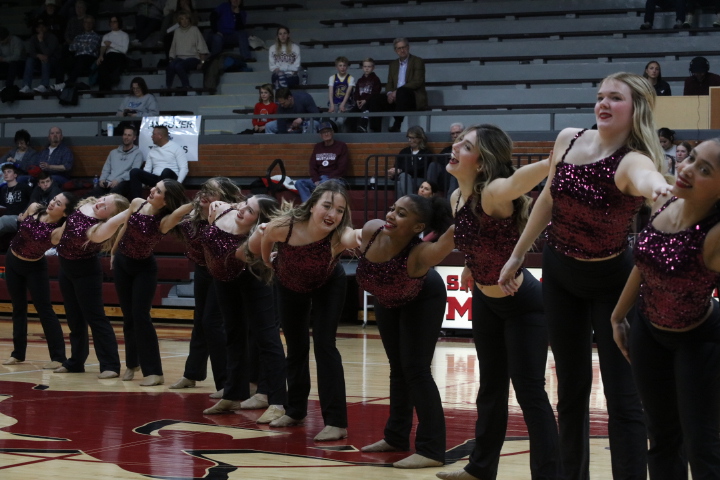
{"points": [[26, 270], [410, 298]]}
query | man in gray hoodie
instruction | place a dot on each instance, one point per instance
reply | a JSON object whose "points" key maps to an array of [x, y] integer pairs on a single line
{"points": [[116, 171]]}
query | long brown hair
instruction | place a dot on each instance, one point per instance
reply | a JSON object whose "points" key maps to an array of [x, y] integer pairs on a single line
{"points": [[494, 148]]}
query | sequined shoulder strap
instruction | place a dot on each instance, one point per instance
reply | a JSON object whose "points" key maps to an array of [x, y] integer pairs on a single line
{"points": [[222, 214], [665, 205], [372, 239], [141, 206], [572, 142], [457, 204]]}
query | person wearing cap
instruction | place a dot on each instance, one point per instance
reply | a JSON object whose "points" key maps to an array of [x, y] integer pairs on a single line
{"points": [[14, 198], [11, 56], [53, 20], [292, 102], [700, 80], [43, 51], [329, 159]]}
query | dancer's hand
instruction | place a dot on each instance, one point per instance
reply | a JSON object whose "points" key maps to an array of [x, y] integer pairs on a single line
{"points": [[466, 279], [621, 334], [507, 281]]}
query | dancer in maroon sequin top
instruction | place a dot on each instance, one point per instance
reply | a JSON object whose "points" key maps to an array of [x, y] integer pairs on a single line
{"points": [[674, 345], [248, 307], [410, 298], [146, 223], [26, 271], [86, 232], [207, 339], [310, 238], [589, 196], [510, 332]]}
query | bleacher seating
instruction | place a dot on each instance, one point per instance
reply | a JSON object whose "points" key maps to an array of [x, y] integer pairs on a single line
{"points": [[532, 67]]}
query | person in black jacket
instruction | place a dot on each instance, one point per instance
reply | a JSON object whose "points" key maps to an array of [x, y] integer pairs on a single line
{"points": [[654, 76], [411, 163]]}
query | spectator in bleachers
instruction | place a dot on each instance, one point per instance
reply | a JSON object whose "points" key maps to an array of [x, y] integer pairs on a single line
{"points": [[700, 80], [654, 76], [411, 162], [427, 189], [166, 159], [682, 151], [148, 17], [405, 88], [11, 56], [113, 54], [678, 5], [447, 182], [140, 102], [22, 154], [56, 159], [75, 25], [14, 197], [53, 20], [693, 5], [340, 89], [365, 87], [171, 11], [45, 190], [329, 159], [43, 51], [86, 48], [284, 59], [115, 173], [188, 52], [265, 106], [227, 22], [667, 141], [292, 102]]}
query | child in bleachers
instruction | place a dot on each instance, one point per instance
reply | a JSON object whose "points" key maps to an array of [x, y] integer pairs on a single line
{"points": [[367, 85], [340, 89], [265, 106]]}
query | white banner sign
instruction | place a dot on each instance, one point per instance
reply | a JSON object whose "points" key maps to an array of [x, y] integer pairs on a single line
{"points": [[183, 129], [458, 311]]}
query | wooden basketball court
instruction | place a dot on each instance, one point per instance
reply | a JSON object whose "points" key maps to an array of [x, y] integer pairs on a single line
{"points": [[75, 426]]}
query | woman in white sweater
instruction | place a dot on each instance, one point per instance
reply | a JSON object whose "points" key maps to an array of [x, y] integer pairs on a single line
{"points": [[284, 60], [187, 52], [113, 54]]}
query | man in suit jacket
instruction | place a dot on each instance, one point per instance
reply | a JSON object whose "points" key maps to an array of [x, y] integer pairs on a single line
{"points": [[405, 89]]}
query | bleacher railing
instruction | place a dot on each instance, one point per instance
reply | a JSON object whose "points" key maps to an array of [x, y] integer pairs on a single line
{"points": [[380, 188]]}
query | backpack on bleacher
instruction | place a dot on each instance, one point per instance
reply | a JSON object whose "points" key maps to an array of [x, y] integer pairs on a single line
{"points": [[9, 94], [69, 96]]}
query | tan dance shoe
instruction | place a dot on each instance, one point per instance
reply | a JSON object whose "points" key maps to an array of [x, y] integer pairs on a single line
{"points": [[417, 461], [286, 421], [107, 374], [152, 380], [223, 406], [182, 383], [379, 446], [331, 434], [130, 373], [271, 414]]}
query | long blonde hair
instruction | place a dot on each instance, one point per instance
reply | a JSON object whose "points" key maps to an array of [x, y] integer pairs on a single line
{"points": [[643, 136], [121, 204]]}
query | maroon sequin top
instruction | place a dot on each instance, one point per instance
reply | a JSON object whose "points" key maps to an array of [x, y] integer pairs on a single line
{"points": [[591, 218], [193, 240], [74, 244], [487, 242], [389, 281], [141, 235], [676, 287], [33, 238], [303, 268], [219, 248]]}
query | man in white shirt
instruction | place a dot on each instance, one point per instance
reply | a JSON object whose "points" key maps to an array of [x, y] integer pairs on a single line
{"points": [[166, 159]]}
